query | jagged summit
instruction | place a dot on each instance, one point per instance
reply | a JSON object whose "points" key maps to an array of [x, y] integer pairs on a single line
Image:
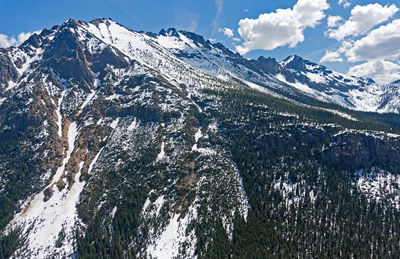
{"points": [[212, 58], [298, 63], [170, 32], [395, 82]]}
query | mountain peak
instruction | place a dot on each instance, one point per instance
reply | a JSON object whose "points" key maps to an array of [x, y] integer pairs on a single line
{"points": [[395, 82], [298, 63], [291, 58], [169, 32], [269, 64], [196, 38], [294, 62], [71, 22], [98, 21]]}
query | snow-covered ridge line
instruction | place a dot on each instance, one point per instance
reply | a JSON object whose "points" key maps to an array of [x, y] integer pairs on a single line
{"points": [[375, 134]]}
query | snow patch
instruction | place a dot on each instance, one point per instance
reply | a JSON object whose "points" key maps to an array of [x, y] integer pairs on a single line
{"points": [[2, 100], [94, 161], [170, 42], [175, 235], [88, 99], [316, 78], [298, 85], [161, 155], [42, 222], [203, 151], [58, 111], [114, 210], [114, 124], [112, 97], [341, 114], [133, 125], [379, 185], [11, 85], [197, 136]]}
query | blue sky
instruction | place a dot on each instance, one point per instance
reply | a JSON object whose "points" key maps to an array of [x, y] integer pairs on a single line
{"points": [[305, 20]]}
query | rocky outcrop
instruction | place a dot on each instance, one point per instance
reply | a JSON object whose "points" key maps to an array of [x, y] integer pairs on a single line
{"points": [[8, 71], [352, 152]]}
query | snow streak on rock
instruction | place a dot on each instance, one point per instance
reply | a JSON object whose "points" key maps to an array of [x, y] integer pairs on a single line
{"points": [[59, 116], [46, 223], [161, 155]]}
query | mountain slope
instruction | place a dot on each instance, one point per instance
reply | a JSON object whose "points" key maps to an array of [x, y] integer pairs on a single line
{"points": [[165, 145], [293, 72]]}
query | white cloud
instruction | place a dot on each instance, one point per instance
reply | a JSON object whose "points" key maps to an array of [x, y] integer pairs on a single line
{"points": [[310, 12], [381, 43], [333, 21], [227, 32], [193, 24], [270, 31], [220, 5], [363, 19], [382, 72], [8, 41], [336, 56], [282, 27], [345, 3], [331, 56], [380, 48]]}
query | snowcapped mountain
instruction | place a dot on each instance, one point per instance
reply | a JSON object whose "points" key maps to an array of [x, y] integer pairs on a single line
{"points": [[312, 79], [121, 144], [293, 73], [389, 100]]}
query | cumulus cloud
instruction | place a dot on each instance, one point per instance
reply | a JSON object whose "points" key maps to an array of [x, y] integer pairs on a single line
{"points": [[282, 27], [331, 56], [363, 41], [333, 21], [363, 19], [227, 32], [310, 12], [8, 41], [345, 3], [379, 49], [381, 43], [270, 31], [382, 72], [336, 56]]}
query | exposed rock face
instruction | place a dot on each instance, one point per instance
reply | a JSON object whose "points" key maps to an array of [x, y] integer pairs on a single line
{"points": [[355, 151], [269, 65], [8, 71], [295, 62]]}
